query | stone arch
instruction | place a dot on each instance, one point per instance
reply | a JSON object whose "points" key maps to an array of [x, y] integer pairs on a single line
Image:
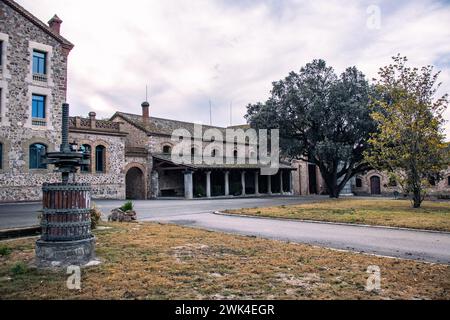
{"points": [[135, 182], [26, 151], [90, 143], [94, 145], [375, 184], [166, 147]]}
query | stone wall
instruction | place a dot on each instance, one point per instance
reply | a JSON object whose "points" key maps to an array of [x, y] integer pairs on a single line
{"points": [[111, 183], [17, 181]]}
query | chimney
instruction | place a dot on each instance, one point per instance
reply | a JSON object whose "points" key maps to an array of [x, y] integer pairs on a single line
{"points": [[145, 111], [92, 116], [55, 24]]}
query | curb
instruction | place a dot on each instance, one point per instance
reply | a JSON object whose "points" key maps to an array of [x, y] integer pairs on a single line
{"points": [[19, 232], [331, 223]]}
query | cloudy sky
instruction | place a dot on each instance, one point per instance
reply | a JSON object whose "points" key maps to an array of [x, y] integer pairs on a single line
{"points": [[230, 51]]}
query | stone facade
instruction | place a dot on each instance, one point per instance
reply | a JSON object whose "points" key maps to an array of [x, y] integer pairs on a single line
{"points": [[308, 180], [108, 183], [20, 34], [134, 160]]}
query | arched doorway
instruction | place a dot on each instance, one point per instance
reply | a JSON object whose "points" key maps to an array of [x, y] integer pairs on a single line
{"points": [[135, 184], [375, 185]]}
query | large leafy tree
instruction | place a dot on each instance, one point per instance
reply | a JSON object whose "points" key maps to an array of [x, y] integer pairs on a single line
{"points": [[322, 118], [410, 141]]}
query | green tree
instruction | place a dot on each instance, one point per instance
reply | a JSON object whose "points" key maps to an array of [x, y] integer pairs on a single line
{"points": [[322, 118], [410, 141]]}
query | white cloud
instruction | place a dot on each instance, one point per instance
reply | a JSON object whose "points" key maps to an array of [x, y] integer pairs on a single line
{"points": [[193, 51]]}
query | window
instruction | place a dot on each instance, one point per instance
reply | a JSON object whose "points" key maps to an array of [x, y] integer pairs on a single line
{"points": [[1, 53], [167, 149], [39, 62], [214, 153], [38, 107], [37, 150], [193, 152], [85, 148], [358, 182], [235, 154], [448, 181], [100, 159], [432, 181], [1, 156]]}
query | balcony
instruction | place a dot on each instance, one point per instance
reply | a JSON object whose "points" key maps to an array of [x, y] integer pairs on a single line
{"points": [[40, 77], [39, 122]]}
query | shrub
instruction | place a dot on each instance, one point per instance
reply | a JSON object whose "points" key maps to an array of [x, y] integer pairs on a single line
{"points": [[200, 191], [5, 251], [128, 206], [96, 217], [19, 268]]}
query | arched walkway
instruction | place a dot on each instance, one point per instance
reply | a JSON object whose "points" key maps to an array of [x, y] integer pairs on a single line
{"points": [[135, 184]]}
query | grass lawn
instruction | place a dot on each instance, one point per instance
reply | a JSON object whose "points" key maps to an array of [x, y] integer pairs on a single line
{"points": [[154, 261], [383, 212]]}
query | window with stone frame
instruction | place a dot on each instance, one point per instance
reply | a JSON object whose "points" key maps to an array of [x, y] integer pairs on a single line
{"points": [[1, 156], [167, 150], [100, 157], [36, 153], [358, 182], [39, 62]]}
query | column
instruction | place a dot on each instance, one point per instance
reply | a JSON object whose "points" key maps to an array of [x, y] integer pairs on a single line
{"points": [[281, 182], [291, 183], [257, 183], [269, 184], [188, 185], [227, 183], [154, 184], [243, 182], [208, 184]]}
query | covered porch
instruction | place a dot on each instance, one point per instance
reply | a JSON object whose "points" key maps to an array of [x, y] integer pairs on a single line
{"points": [[191, 181]]}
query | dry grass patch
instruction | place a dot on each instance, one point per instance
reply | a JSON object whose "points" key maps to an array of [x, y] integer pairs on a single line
{"points": [[383, 212], [170, 262]]}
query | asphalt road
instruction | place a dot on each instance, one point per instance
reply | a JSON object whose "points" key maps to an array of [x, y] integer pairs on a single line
{"points": [[417, 245], [25, 214]]}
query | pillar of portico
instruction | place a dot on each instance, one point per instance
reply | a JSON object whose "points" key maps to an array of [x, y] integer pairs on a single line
{"points": [[291, 183], [154, 182], [208, 184], [269, 184], [281, 182], [243, 182], [227, 183], [188, 185], [257, 183]]}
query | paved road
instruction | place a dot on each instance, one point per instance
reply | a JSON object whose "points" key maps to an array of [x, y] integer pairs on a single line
{"points": [[418, 245], [25, 214]]}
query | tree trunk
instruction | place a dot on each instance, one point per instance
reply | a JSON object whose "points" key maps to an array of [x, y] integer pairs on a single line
{"points": [[417, 198]]}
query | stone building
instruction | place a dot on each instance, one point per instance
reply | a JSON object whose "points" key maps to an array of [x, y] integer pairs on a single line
{"points": [[131, 154], [33, 80]]}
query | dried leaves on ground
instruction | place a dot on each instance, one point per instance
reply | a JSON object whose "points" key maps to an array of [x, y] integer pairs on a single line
{"points": [[154, 261]]}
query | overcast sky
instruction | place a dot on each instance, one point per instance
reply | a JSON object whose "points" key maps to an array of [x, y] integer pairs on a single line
{"points": [[230, 51]]}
